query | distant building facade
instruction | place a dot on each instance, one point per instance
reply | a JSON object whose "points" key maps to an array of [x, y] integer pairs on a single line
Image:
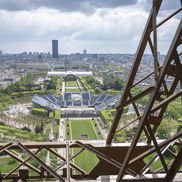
{"points": [[55, 53], [85, 51], [65, 73]]}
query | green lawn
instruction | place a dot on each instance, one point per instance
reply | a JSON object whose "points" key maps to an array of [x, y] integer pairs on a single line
{"points": [[75, 128], [86, 86], [55, 129], [86, 160], [71, 84], [8, 164], [72, 90], [22, 134], [58, 87]]}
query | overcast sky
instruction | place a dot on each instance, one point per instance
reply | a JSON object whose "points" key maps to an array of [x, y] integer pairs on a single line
{"points": [[100, 26]]}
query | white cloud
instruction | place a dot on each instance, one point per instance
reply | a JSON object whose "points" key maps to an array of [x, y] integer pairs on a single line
{"points": [[105, 30]]}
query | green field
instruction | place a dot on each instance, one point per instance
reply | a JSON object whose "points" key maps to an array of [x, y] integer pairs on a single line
{"points": [[72, 90], [75, 128], [22, 134], [71, 84], [8, 164], [86, 160]]}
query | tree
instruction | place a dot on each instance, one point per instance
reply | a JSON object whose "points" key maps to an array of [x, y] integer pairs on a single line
{"points": [[118, 84], [39, 128], [166, 128], [174, 110], [110, 81]]}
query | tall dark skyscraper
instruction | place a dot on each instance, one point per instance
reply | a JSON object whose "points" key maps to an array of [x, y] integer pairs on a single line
{"points": [[55, 49]]}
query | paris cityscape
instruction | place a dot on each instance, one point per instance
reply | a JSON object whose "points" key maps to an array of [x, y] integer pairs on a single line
{"points": [[78, 103]]}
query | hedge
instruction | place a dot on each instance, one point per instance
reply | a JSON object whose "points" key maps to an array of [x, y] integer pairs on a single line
{"points": [[39, 111]]}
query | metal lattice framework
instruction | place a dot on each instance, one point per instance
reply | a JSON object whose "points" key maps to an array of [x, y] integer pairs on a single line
{"points": [[125, 161]]}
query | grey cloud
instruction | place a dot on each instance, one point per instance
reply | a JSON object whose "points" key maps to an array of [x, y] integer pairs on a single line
{"points": [[63, 5], [165, 6], [170, 4]]}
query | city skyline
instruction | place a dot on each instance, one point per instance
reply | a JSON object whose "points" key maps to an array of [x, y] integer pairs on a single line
{"points": [[99, 26]]}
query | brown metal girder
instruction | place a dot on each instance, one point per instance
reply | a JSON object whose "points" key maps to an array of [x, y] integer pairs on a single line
{"points": [[68, 171], [171, 71], [6, 146], [134, 106], [128, 124], [21, 160], [155, 178], [151, 102], [104, 157], [117, 153], [21, 165], [147, 167], [151, 121], [147, 76], [157, 69], [136, 63], [171, 152], [73, 165], [135, 98], [152, 150], [135, 84], [166, 19], [157, 147], [178, 67], [154, 120], [36, 145], [138, 114], [162, 111], [15, 178], [99, 154], [180, 53], [166, 101], [154, 52], [136, 138], [177, 163], [47, 168], [78, 153]]}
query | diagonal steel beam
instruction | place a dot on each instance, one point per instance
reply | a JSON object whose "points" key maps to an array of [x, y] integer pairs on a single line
{"points": [[167, 18], [137, 60], [3, 148], [68, 172], [72, 165], [157, 148], [156, 157], [151, 101], [153, 149], [21, 160], [166, 101], [177, 163], [41, 163], [135, 98], [104, 157], [25, 161]]}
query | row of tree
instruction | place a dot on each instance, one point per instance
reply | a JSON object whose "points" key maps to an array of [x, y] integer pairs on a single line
{"points": [[110, 81]]}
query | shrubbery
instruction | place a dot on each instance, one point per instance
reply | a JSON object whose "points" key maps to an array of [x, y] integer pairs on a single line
{"points": [[39, 111]]}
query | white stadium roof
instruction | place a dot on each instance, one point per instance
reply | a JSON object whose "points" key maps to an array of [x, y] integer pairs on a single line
{"points": [[65, 73]]}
